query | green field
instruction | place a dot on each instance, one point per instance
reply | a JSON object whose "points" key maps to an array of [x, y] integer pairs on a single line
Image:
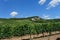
{"points": [[22, 26]]}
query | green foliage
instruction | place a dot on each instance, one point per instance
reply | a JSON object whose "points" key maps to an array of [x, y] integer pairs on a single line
{"points": [[9, 28], [5, 31]]}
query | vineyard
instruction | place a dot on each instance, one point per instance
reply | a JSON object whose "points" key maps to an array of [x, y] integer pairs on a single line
{"points": [[11, 27]]}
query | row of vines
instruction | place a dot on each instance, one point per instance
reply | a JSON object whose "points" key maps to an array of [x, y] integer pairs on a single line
{"points": [[11, 30]]}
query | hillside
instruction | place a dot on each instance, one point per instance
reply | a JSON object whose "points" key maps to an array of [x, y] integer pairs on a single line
{"points": [[27, 26], [30, 19]]}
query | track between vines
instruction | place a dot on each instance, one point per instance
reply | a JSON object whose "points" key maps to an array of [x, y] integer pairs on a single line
{"points": [[37, 37]]}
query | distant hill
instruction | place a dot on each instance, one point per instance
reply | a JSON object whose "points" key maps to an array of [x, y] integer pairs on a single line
{"points": [[53, 20], [33, 18]]}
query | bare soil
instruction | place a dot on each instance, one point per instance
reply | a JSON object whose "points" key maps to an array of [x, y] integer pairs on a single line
{"points": [[54, 37]]}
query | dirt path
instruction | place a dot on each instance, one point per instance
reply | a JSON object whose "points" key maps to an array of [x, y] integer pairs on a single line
{"points": [[49, 38], [54, 37]]}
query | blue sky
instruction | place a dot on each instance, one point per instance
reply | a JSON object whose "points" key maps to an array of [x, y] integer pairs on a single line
{"points": [[26, 8]]}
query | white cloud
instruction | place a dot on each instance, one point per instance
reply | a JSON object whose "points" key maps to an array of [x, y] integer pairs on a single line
{"points": [[53, 3], [42, 2], [13, 14], [46, 17]]}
